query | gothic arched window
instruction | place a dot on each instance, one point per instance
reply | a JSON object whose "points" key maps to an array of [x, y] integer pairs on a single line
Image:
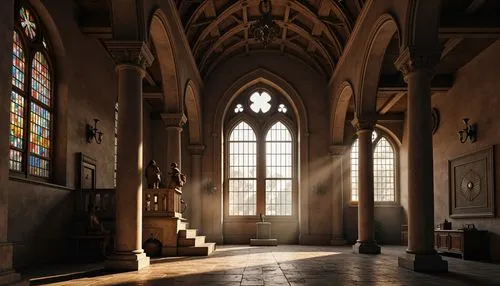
{"points": [[384, 169], [32, 101], [260, 157]]}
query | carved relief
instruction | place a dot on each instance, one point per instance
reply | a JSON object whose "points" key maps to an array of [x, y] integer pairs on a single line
{"points": [[471, 185]]}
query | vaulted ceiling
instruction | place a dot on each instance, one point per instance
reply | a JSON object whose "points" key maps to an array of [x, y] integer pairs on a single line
{"points": [[314, 31]]}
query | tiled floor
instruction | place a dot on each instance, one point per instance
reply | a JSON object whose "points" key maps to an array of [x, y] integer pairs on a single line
{"points": [[295, 265]]}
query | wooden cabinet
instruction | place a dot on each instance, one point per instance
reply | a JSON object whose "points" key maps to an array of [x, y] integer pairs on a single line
{"points": [[473, 245]]}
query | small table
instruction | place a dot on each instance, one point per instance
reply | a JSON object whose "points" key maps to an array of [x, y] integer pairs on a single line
{"points": [[469, 244]]}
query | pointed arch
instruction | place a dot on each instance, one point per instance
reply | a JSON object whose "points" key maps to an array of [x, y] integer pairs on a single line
{"points": [[339, 111], [193, 110], [380, 37], [160, 34]]}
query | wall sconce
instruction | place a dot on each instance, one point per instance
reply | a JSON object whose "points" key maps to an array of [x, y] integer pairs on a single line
{"points": [[94, 133], [469, 132]]}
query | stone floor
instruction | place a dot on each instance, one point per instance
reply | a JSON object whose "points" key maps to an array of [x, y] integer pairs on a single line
{"points": [[294, 265]]}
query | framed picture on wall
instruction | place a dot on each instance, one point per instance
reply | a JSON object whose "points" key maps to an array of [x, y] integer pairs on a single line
{"points": [[472, 185], [87, 172]]}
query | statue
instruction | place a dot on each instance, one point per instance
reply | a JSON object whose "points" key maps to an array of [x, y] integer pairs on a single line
{"points": [[153, 175], [177, 179]]}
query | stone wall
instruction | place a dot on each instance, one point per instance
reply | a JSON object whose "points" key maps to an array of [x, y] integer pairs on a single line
{"points": [[474, 95], [39, 215]]}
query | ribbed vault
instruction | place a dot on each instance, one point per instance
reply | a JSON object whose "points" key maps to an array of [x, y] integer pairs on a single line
{"points": [[314, 31]]}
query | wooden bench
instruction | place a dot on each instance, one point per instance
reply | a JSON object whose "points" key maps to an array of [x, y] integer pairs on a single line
{"points": [[91, 247]]}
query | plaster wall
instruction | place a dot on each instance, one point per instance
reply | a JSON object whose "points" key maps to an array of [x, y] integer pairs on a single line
{"points": [[474, 95], [311, 87], [40, 215]]}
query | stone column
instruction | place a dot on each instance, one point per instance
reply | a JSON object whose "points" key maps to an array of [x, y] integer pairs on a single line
{"points": [[174, 123], [338, 152], [417, 68], [196, 184], [366, 222], [131, 58]]}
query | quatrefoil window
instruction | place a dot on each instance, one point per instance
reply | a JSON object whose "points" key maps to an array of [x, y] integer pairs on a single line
{"points": [[260, 102]]}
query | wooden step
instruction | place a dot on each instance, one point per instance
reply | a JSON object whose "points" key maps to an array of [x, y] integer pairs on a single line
{"points": [[202, 250], [187, 233], [198, 240]]}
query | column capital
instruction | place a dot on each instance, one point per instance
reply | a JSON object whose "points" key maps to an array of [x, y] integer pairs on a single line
{"points": [[130, 53], [367, 122], [339, 150], [196, 149], [411, 59], [174, 119]]}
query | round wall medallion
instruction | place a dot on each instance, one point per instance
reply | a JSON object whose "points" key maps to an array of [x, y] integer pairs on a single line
{"points": [[435, 120]]}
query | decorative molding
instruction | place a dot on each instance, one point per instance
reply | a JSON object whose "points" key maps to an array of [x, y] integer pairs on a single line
{"points": [[196, 149], [130, 52], [174, 119], [472, 185], [365, 123], [339, 150], [412, 59]]}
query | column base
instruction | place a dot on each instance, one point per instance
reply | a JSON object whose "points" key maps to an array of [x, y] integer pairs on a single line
{"points": [[366, 247], [423, 262], [12, 278], [129, 261]]}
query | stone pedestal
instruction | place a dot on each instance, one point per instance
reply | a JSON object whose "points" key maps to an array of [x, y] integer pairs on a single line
{"points": [[126, 261], [263, 235], [423, 262]]}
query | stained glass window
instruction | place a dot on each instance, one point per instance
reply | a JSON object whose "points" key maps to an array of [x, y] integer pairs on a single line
{"points": [[31, 102], [40, 79], [242, 171], [18, 61], [384, 171], [28, 23], [279, 171]]}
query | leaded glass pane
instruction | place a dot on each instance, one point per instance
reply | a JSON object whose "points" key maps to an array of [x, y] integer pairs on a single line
{"points": [[15, 160], [17, 106], [38, 166], [242, 171], [18, 62], [28, 23], [383, 172], [40, 79], [39, 131], [279, 171], [354, 170]]}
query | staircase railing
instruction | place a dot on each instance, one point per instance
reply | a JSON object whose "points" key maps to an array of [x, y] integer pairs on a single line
{"points": [[162, 202]]}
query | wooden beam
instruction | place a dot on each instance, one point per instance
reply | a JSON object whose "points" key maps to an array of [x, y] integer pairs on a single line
{"points": [[474, 6], [388, 117], [450, 45], [469, 32], [391, 102], [285, 27]]}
